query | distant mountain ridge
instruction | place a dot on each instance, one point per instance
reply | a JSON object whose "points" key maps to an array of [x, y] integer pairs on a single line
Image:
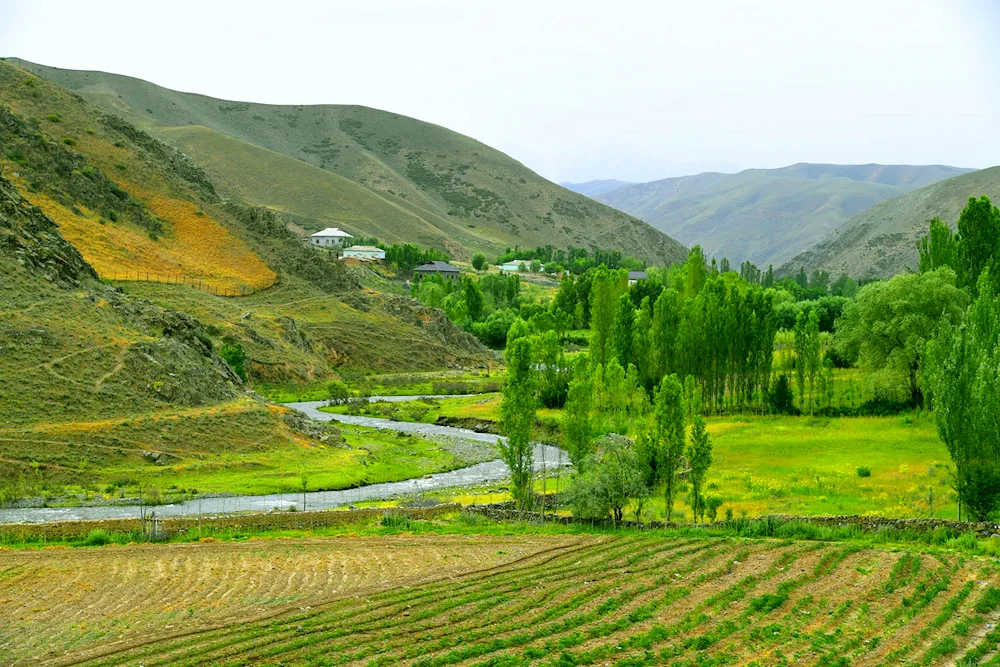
{"points": [[767, 215], [595, 188], [371, 172], [881, 241]]}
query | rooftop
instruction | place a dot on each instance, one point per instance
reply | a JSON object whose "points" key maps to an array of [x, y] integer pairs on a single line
{"points": [[437, 266], [364, 248], [334, 231], [636, 275]]}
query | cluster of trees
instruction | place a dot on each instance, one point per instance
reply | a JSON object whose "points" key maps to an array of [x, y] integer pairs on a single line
{"points": [[612, 471], [486, 307], [574, 260], [716, 328]]}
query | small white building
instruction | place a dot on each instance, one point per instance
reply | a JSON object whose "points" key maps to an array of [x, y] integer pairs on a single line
{"points": [[331, 237], [635, 276], [364, 252], [516, 265]]}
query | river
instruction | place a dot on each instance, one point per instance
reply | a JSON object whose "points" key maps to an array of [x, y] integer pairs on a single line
{"points": [[492, 471]]}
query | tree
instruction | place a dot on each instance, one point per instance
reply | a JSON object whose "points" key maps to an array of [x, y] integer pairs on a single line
{"points": [[517, 416], [780, 398], [700, 459], [474, 300], [844, 286], [939, 248], [607, 286], [610, 480], [479, 261], [576, 417], [695, 272], [978, 240], [886, 329], [963, 373], [807, 346], [623, 332], [551, 363], [233, 354], [668, 437]]}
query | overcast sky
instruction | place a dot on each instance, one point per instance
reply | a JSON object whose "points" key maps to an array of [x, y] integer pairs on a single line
{"points": [[580, 90]]}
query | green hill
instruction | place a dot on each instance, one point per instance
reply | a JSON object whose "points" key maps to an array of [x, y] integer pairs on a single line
{"points": [[766, 215], [881, 241], [423, 181]]}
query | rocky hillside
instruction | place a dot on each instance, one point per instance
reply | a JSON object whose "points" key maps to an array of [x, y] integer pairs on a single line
{"points": [[369, 171], [766, 215], [881, 241]]}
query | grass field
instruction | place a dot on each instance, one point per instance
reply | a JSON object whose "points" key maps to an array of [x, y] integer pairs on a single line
{"points": [[540, 599], [789, 465]]}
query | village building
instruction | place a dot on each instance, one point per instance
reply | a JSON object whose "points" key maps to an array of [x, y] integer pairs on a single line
{"points": [[364, 253], [443, 269], [517, 265], [636, 276], [331, 237]]}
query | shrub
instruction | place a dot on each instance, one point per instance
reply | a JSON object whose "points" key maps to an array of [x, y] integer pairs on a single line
{"points": [[69, 141], [479, 261], [54, 118], [864, 471], [397, 522], [97, 537], [337, 391], [234, 355]]}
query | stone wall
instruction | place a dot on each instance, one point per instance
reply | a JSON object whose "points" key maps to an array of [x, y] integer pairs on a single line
{"points": [[873, 524], [75, 530]]}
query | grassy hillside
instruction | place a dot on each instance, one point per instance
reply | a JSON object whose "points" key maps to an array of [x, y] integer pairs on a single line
{"points": [[881, 241], [475, 197], [112, 385], [766, 215]]}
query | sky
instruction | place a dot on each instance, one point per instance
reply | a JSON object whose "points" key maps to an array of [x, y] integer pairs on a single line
{"points": [[579, 90]]}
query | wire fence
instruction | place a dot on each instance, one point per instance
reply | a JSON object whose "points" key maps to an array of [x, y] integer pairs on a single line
{"points": [[181, 279]]}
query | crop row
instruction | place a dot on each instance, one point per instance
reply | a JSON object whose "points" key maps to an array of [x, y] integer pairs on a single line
{"points": [[634, 601]]}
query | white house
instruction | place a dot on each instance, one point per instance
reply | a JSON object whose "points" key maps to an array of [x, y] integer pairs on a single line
{"points": [[364, 252], [516, 265], [636, 276], [330, 237]]}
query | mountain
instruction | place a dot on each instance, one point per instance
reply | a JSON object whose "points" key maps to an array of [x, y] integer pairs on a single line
{"points": [[767, 215], [368, 171], [595, 188], [118, 351], [881, 241]]}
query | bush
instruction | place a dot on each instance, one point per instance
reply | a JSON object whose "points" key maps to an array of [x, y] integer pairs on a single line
{"points": [[53, 118], [337, 391], [864, 472], [479, 261], [97, 537], [397, 522]]}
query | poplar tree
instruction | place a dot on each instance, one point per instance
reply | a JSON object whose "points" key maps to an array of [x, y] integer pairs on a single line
{"points": [[517, 416], [668, 436], [624, 330], [964, 375], [699, 457]]}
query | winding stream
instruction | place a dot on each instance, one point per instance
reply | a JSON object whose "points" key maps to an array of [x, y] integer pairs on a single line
{"points": [[491, 471]]}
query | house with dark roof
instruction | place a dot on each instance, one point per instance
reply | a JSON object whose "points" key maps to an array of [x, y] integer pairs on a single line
{"points": [[443, 269], [636, 276]]}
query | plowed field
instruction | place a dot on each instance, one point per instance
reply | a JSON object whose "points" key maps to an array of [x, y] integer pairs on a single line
{"points": [[497, 602]]}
